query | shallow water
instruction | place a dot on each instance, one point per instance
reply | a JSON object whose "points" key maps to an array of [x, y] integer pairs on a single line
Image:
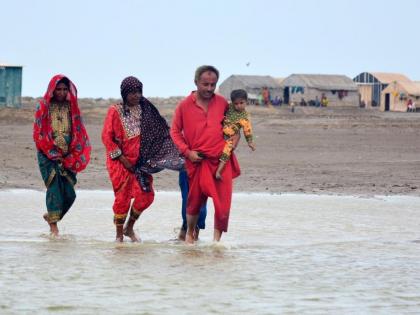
{"points": [[289, 254]]}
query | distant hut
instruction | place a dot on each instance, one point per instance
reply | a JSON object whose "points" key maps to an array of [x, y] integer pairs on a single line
{"points": [[10, 86], [339, 89], [396, 95], [253, 84], [371, 84]]}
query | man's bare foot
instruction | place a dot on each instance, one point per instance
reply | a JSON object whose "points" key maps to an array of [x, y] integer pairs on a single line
{"points": [[217, 235], [53, 226], [189, 238], [132, 235], [181, 234], [119, 239]]}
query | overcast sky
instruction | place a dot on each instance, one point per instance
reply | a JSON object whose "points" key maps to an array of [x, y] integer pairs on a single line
{"points": [[98, 43]]}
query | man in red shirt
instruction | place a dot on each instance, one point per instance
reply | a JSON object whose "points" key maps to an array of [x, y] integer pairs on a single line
{"points": [[197, 132]]}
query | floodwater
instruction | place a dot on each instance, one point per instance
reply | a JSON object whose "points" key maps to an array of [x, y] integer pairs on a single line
{"points": [[283, 254]]}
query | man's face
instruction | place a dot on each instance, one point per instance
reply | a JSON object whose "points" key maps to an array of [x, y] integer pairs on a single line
{"points": [[206, 85]]}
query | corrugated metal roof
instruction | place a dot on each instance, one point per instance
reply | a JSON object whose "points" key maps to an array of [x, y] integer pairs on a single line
{"points": [[5, 65], [385, 77], [255, 81], [321, 81]]}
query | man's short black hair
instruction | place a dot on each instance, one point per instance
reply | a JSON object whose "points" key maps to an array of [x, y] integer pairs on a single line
{"points": [[238, 94], [200, 70]]}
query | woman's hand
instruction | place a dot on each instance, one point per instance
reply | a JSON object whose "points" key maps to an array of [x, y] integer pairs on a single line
{"points": [[126, 163]]}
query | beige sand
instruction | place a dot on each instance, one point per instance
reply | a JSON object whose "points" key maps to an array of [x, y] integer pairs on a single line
{"points": [[334, 151]]}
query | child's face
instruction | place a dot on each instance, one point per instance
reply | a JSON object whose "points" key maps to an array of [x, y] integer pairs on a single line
{"points": [[239, 104]]}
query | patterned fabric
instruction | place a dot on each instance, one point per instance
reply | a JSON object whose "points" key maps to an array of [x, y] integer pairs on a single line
{"points": [[61, 125], [60, 187], [130, 119], [227, 151], [130, 85], [234, 121], [78, 155], [232, 124], [157, 150]]}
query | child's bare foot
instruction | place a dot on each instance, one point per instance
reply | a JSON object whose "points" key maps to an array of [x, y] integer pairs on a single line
{"points": [[132, 235]]}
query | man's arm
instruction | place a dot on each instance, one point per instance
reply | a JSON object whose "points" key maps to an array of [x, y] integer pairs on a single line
{"points": [[178, 137]]}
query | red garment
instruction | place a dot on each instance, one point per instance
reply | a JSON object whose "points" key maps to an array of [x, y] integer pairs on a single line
{"points": [[194, 129], [122, 138], [266, 96], [79, 150]]}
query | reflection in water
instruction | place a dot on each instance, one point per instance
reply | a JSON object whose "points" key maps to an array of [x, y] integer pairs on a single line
{"points": [[296, 254]]}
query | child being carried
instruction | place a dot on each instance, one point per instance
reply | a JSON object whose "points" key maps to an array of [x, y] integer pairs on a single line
{"points": [[236, 118]]}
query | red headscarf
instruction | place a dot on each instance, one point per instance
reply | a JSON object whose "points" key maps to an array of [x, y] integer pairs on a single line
{"points": [[79, 150]]}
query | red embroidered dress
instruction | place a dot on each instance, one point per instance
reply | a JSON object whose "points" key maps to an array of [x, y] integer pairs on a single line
{"points": [[77, 156], [121, 136]]}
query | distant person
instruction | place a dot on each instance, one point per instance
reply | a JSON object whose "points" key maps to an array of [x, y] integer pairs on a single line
{"points": [[317, 101], [277, 101], [63, 147], [324, 100], [137, 142], [197, 132], [201, 223], [236, 118], [266, 96], [303, 102], [411, 106]]}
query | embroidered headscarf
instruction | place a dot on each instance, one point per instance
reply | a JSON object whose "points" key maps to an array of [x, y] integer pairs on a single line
{"points": [[130, 85], [157, 150], [79, 149]]}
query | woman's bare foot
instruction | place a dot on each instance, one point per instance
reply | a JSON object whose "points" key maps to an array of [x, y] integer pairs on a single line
{"points": [[119, 236], [132, 235], [53, 226], [189, 238]]}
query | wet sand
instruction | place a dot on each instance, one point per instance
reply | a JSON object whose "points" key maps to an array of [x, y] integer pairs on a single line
{"points": [[322, 151]]}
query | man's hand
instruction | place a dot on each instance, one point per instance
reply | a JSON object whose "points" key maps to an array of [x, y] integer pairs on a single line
{"points": [[194, 157], [252, 146], [126, 163]]}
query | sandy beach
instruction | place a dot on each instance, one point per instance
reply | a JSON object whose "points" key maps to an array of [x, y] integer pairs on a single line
{"points": [[345, 151]]}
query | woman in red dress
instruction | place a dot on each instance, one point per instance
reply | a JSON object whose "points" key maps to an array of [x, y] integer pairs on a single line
{"points": [[137, 143]]}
